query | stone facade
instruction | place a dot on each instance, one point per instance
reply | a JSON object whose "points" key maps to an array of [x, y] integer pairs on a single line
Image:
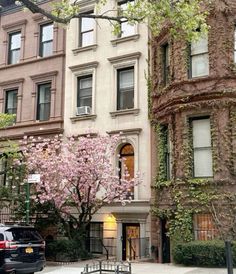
{"points": [[99, 62], [187, 98], [30, 71]]}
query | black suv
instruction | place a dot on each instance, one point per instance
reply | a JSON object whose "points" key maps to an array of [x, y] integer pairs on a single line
{"points": [[21, 250]]}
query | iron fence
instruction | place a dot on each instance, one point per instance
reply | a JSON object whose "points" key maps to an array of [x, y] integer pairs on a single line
{"points": [[104, 267]]}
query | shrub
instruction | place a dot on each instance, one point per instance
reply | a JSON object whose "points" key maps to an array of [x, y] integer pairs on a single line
{"points": [[202, 253], [65, 250]]}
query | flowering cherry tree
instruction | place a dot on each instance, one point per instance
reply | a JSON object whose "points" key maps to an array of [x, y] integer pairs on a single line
{"points": [[77, 176]]}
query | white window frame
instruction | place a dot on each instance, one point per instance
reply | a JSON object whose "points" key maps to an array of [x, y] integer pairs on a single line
{"points": [[119, 3], [80, 71], [123, 62], [200, 54], [200, 148]]}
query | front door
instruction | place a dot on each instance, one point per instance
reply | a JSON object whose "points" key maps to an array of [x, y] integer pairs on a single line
{"points": [[130, 242], [165, 242]]}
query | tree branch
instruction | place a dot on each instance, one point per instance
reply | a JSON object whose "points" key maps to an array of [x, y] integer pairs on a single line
{"points": [[34, 8]]}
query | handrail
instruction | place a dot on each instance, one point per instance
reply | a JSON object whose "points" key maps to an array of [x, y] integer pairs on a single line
{"points": [[107, 252], [131, 248]]}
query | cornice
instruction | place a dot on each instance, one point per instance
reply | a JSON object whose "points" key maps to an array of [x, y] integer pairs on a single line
{"points": [[125, 57]]}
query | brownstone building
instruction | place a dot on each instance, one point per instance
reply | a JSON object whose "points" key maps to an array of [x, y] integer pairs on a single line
{"points": [[194, 110], [32, 60], [31, 72]]}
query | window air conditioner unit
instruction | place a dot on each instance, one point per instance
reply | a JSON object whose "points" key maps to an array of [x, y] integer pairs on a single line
{"points": [[85, 110]]}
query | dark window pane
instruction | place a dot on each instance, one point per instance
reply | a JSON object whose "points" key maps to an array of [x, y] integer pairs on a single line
{"points": [[44, 102], [84, 96], [125, 92], [96, 237], [23, 234], [46, 40], [11, 102], [86, 31], [14, 48]]}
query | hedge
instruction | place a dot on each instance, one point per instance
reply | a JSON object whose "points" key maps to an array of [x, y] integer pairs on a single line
{"points": [[202, 253], [65, 251]]}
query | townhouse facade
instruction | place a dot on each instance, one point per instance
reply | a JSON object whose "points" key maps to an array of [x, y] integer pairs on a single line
{"points": [[194, 108], [106, 93], [32, 61]]}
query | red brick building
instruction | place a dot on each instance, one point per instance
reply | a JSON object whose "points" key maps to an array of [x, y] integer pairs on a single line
{"points": [[194, 111]]}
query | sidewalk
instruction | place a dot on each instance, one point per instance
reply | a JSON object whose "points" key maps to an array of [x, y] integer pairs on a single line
{"points": [[138, 268]]}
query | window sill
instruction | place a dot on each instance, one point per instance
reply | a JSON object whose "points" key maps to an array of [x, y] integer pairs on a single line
{"points": [[83, 117], [134, 111], [116, 41], [87, 48]]}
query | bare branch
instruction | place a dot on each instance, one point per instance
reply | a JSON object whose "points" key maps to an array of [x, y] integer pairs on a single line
{"points": [[34, 8]]}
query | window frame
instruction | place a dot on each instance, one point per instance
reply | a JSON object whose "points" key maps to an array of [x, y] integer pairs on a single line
{"points": [[166, 63], [88, 31], [81, 77], [235, 43], [191, 120], [122, 156], [119, 4], [10, 50], [199, 231], [118, 89], [38, 99], [92, 245], [191, 56], [41, 43], [167, 151], [7, 92]]}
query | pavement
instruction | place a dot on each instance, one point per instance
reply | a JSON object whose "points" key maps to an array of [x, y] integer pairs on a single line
{"points": [[137, 268]]}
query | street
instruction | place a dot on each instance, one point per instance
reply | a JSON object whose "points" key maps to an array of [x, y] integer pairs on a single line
{"points": [[139, 268]]}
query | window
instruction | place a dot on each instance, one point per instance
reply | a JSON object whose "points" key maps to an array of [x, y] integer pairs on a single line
{"points": [[14, 48], [84, 95], [199, 58], [125, 88], [11, 102], [167, 151], [46, 40], [204, 228], [235, 44], [96, 235], [202, 152], [125, 28], [127, 164], [86, 31], [3, 170], [166, 64], [43, 102]]}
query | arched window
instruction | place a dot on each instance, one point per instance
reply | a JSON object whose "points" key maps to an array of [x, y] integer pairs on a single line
{"points": [[127, 164]]}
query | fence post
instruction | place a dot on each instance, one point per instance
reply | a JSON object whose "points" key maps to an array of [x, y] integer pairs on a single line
{"points": [[129, 268], [86, 268], [117, 270], [100, 267]]}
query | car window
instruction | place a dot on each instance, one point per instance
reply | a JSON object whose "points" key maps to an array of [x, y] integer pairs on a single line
{"points": [[1, 237], [23, 234]]}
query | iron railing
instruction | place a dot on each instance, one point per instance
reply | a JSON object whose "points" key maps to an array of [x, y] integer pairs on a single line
{"points": [[138, 248], [107, 267]]}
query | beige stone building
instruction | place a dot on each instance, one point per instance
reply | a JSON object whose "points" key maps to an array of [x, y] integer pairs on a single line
{"points": [[106, 92]]}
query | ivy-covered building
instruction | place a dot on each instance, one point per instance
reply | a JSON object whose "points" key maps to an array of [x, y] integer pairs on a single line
{"points": [[194, 116]]}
